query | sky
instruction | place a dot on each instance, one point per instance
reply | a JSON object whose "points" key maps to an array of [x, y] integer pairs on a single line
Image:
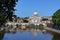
{"points": [[26, 8]]}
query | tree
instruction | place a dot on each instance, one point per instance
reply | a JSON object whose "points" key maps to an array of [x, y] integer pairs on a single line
{"points": [[6, 10], [14, 18], [56, 18], [41, 27], [31, 26]]}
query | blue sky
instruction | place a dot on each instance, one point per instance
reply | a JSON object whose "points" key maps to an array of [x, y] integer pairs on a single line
{"points": [[26, 8]]}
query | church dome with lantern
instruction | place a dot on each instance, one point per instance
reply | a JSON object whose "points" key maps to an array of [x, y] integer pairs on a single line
{"points": [[35, 13], [35, 18]]}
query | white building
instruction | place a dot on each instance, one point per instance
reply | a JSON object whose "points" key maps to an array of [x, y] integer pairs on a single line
{"points": [[35, 19]]}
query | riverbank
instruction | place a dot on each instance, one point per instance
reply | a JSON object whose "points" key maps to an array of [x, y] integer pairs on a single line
{"points": [[2, 34], [56, 36], [20, 30]]}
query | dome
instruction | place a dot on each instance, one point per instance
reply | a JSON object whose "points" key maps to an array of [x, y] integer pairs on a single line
{"points": [[35, 13]]}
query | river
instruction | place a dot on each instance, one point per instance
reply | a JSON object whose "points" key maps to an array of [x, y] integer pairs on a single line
{"points": [[28, 36]]}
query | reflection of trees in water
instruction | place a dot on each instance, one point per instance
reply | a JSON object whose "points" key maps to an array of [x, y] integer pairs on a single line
{"points": [[2, 35], [56, 37]]}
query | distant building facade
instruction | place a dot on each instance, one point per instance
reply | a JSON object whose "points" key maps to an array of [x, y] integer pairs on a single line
{"points": [[35, 19]]}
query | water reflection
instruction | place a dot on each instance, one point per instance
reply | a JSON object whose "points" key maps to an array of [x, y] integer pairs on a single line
{"points": [[27, 36], [2, 34], [56, 36]]}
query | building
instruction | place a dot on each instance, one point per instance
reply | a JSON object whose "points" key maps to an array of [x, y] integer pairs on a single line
{"points": [[35, 19], [47, 19], [19, 20]]}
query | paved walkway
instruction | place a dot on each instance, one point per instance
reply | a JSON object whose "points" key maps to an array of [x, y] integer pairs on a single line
{"points": [[53, 30]]}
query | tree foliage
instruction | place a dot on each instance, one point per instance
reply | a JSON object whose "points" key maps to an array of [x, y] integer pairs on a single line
{"points": [[56, 17], [6, 10]]}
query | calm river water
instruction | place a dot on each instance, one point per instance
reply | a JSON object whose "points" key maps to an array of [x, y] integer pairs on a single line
{"points": [[27, 36]]}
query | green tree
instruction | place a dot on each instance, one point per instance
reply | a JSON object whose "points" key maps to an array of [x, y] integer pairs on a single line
{"points": [[6, 10], [56, 18], [41, 27]]}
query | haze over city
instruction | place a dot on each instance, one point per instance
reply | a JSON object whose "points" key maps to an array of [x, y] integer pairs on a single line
{"points": [[26, 8]]}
